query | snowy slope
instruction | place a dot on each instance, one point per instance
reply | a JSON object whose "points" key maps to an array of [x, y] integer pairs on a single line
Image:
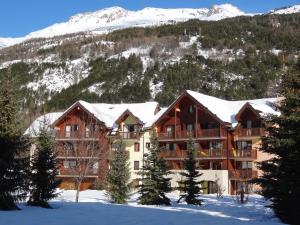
{"points": [[287, 10], [113, 18], [94, 208]]}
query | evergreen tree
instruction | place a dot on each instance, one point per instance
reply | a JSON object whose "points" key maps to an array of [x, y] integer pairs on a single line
{"points": [[14, 147], [44, 172], [155, 183], [189, 185], [118, 175], [281, 175]]}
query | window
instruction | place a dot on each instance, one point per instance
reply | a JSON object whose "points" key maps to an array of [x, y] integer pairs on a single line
{"points": [[68, 148], [68, 130], [71, 129], [95, 167], [69, 164], [87, 131], [246, 165], [148, 145], [136, 147], [170, 131], [249, 124], [216, 166], [190, 127], [244, 145], [215, 145], [136, 165], [191, 109], [130, 128], [170, 146]]}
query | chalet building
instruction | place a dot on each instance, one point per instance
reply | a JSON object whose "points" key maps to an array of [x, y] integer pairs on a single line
{"points": [[227, 137], [85, 134]]}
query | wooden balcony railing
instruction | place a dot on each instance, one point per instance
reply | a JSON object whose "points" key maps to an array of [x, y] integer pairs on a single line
{"points": [[246, 153], [166, 135], [204, 153], [250, 132], [212, 153], [213, 132], [129, 135], [184, 134], [246, 174], [77, 135]]}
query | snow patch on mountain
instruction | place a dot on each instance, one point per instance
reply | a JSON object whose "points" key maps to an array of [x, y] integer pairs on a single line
{"points": [[114, 18], [96, 88], [287, 10], [58, 78]]}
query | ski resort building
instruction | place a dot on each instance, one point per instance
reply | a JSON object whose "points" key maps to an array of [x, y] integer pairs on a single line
{"points": [[227, 137]]}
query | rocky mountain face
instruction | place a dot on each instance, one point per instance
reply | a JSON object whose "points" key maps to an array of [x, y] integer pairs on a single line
{"points": [[234, 58]]}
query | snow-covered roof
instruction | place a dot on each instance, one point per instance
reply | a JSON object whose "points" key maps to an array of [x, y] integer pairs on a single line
{"points": [[109, 113], [42, 122], [227, 110]]}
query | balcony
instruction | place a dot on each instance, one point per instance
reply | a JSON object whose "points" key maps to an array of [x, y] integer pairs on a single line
{"points": [[201, 154], [246, 174], [243, 154], [129, 135], [76, 135], [184, 134], [251, 132]]}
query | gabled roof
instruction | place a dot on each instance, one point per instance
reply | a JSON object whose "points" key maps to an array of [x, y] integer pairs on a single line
{"points": [[109, 113], [42, 122], [227, 110]]}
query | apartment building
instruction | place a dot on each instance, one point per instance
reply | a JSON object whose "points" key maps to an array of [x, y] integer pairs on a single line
{"points": [[227, 137]]}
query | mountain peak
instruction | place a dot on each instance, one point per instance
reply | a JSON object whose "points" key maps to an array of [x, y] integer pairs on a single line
{"points": [[114, 18], [286, 10]]}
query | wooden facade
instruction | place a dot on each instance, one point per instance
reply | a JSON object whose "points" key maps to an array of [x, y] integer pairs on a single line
{"points": [[218, 146], [83, 143], [82, 148]]}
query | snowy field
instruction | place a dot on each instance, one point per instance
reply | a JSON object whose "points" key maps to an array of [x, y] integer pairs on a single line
{"points": [[95, 209]]}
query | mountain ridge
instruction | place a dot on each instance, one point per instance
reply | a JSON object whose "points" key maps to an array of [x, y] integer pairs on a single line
{"points": [[114, 18]]}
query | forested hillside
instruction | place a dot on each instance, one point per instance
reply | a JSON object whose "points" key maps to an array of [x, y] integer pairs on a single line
{"points": [[236, 58]]}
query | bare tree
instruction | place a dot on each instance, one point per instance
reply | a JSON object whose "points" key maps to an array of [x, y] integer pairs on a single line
{"points": [[219, 189]]}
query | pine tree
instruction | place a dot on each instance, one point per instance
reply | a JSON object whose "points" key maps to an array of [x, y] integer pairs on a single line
{"points": [[44, 172], [281, 175], [118, 175], [189, 185], [155, 183], [13, 148]]}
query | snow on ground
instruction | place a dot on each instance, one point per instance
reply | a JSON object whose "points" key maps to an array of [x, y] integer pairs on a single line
{"points": [[95, 209]]}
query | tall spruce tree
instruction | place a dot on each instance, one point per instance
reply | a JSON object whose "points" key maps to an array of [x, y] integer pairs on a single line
{"points": [[189, 186], [43, 177], [281, 175], [155, 183], [118, 175], [13, 147]]}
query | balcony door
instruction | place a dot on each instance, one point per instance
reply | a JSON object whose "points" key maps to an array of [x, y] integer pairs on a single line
{"points": [[130, 130], [170, 130]]}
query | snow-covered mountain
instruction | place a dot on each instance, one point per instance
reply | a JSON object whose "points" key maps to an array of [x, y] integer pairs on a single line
{"points": [[113, 18], [287, 10]]}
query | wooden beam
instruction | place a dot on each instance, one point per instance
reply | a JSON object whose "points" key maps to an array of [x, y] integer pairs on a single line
{"points": [[196, 129]]}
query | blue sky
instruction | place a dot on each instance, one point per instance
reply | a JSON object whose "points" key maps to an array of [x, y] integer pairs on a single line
{"points": [[19, 17]]}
